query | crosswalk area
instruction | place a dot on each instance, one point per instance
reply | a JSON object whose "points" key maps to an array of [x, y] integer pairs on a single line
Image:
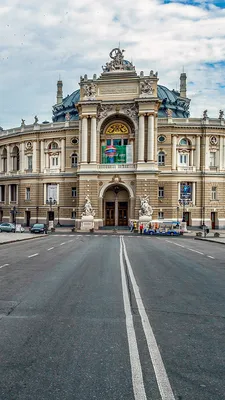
{"points": [[95, 236]]}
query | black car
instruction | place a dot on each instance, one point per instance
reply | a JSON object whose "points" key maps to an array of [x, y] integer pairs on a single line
{"points": [[39, 228]]}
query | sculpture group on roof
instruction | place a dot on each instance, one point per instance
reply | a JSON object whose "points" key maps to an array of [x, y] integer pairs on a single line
{"points": [[118, 63]]}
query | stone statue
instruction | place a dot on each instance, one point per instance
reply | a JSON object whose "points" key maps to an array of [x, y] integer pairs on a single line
{"points": [[35, 120], [169, 113], [89, 91], [146, 88], [146, 209], [22, 122], [205, 114], [67, 116], [118, 63], [221, 114], [88, 210]]}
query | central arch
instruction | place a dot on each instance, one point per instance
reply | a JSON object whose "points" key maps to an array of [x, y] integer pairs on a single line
{"points": [[117, 201]]}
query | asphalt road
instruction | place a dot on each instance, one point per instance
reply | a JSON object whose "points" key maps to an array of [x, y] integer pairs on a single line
{"points": [[105, 317]]}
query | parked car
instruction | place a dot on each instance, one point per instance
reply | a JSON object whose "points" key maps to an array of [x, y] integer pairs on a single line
{"points": [[7, 227], [39, 228]]}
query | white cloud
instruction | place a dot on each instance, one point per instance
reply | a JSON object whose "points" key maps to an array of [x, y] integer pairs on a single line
{"points": [[41, 40]]}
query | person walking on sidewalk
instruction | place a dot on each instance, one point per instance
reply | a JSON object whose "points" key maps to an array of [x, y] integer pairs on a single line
{"points": [[141, 228]]}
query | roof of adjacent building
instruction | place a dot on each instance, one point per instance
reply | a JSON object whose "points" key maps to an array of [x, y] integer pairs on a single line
{"points": [[171, 100]]}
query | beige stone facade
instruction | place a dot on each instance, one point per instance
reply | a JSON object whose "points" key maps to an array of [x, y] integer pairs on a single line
{"points": [[52, 167]]}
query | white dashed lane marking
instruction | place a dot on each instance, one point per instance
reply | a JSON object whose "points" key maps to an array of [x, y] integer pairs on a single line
{"points": [[51, 248], [187, 248], [62, 244], [211, 257], [33, 255], [5, 265]]}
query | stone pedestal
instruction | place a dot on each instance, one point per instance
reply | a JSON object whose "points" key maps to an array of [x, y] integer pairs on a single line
{"points": [[145, 220], [87, 223], [50, 225], [183, 226]]}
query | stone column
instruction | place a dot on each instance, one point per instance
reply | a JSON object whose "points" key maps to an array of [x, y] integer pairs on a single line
{"points": [[93, 140], [45, 193], [116, 211], [174, 152], [221, 164], [22, 157], [42, 164], [178, 193], [62, 155], [34, 156], [198, 152], [206, 152], [191, 158], [151, 138], [193, 193], [141, 138], [84, 140], [9, 158]]}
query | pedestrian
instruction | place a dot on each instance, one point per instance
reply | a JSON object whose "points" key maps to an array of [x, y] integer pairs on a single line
{"points": [[131, 226], [141, 228]]}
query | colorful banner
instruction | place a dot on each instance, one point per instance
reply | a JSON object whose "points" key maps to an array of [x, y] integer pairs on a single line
{"points": [[117, 154]]}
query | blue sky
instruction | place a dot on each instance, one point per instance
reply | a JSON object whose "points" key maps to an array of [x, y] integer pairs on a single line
{"points": [[42, 40]]}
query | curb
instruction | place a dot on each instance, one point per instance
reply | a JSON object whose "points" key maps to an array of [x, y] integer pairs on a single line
{"points": [[209, 240], [20, 240]]}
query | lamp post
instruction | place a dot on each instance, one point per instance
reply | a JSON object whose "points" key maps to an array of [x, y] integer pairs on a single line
{"points": [[184, 203], [58, 223], [37, 209], [51, 202]]}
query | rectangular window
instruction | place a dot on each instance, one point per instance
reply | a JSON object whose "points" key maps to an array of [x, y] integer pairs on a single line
{"points": [[73, 215], [74, 192], [125, 142], [161, 215], [2, 193], [27, 193], [161, 191], [212, 159], [117, 142], [13, 192], [56, 161], [108, 142], [214, 193], [184, 159], [4, 164], [29, 163]]}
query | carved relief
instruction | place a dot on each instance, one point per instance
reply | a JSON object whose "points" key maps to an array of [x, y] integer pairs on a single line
{"points": [[146, 88], [103, 111]]}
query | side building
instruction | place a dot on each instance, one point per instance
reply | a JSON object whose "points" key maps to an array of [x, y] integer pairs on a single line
{"points": [[117, 138]]}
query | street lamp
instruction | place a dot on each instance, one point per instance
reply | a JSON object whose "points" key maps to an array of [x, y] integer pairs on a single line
{"points": [[51, 202], [37, 209], [58, 223]]}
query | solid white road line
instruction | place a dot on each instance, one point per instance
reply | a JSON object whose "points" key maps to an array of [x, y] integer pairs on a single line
{"points": [[33, 255], [157, 362], [51, 248], [5, 265], [136, 371]]}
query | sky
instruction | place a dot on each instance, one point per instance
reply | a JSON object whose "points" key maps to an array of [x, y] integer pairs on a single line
{"points": [[40, 41]]}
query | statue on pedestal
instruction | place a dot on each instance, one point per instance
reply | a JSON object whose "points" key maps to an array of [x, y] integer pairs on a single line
{"points": [[146, 209], [88, 209]]}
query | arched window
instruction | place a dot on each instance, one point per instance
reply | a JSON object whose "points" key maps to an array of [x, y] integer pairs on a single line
{"points": [[161, 158], [16, 158], [74, 160], [53, 146], [4, 160], [185, 142]]}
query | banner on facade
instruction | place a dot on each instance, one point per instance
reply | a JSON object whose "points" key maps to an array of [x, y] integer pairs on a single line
{"points": [[52, 192], [117, 154]]}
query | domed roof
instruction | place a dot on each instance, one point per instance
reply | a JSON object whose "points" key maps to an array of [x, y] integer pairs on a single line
{"points": [[170, 100]]}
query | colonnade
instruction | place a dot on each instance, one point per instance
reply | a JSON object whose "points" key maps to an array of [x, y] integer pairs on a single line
{"points": [[84, 140], [150, 138]]}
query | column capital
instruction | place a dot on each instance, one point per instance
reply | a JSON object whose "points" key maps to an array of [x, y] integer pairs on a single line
{"points": [[150, 114]]}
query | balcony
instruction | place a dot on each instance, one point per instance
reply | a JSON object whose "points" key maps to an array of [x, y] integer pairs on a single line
{"points": [[116, 167], [186, 168], [52, 171]]}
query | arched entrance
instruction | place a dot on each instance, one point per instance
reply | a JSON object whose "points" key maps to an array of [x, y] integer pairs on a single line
{"points": [[116, 206]]}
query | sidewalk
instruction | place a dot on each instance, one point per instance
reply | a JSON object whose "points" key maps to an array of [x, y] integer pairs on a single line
{"points": [[10, 237]]}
